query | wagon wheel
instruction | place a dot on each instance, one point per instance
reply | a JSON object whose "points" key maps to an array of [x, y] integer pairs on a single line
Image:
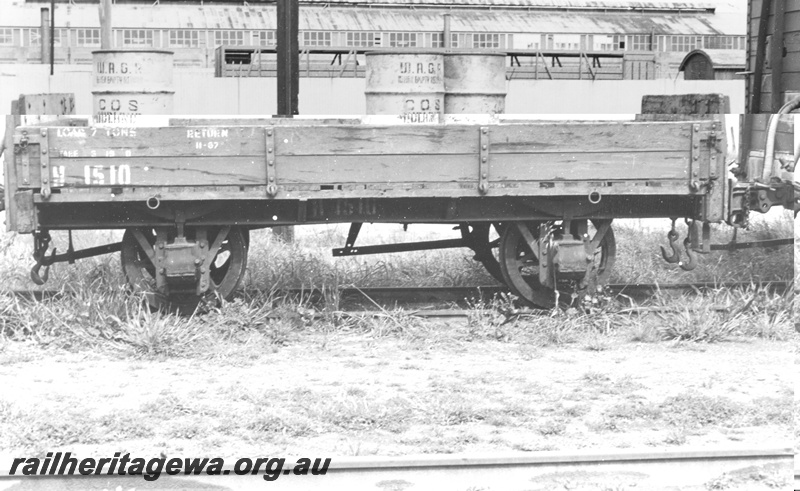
{"points": [[477, 236], [520, 266], [226, 271]]}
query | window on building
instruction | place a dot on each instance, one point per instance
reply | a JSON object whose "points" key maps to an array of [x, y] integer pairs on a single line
{"points": [[58, 35], [265, 38], [454, 43], [360, 39], [434, 40], [184, 38], [639, 42], [485, 40], [605, 43], [316, 38], [403, 39], [723, 42], [6, 36], [87, 37], [567, 42], [684, 43], [137, 37], [229, 38]]}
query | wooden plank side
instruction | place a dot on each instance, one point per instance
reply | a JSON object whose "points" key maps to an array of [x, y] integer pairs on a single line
{"points": [[54, 104], [10, 173], [496, 190], [589, 166], [340, 169], [590, 137], [82, 142], [376, 140], [255, 121], [161, 171]]}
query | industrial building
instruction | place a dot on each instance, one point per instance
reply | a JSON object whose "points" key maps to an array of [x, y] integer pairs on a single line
{"points": [[195, 30]]}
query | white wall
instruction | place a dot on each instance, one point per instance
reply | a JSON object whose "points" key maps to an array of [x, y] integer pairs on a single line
{"points": [[198, 92]]}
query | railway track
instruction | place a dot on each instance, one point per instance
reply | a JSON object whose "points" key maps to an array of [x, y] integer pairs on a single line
{"points": [[415, 295], [751, 469]]}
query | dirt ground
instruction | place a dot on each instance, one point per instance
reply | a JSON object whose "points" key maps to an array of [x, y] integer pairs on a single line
{"points": [[355, 394]]}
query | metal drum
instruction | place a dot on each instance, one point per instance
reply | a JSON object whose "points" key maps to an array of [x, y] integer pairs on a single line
{"points": [[409, 85], [474, 83], [128, 83]]}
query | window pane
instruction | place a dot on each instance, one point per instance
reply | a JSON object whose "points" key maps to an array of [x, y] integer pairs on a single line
{"points": [[6, 36], [266, 38], [87, 37]]}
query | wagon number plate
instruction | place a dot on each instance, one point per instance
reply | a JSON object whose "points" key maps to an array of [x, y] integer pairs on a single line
{"points": [[95, 175]]}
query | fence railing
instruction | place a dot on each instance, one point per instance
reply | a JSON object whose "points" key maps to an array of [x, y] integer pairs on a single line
{"points": [[242, 61]]}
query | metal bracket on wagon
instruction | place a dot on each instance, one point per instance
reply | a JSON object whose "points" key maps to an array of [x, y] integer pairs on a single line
{"points": [[704, 157], [483, 163], [182, 266], [41, 242], [272, 178]]}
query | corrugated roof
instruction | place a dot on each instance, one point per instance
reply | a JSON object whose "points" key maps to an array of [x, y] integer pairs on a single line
{"points": [[546, 4], [168, 16], [580, 4]]}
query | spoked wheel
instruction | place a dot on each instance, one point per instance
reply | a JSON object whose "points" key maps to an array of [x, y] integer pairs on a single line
{"points": [[226, 270], [520, 266], [479, 238]]}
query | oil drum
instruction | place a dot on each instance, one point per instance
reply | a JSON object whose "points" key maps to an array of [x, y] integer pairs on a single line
{"points": [[474, 83], [409, 85], [128, 83]]}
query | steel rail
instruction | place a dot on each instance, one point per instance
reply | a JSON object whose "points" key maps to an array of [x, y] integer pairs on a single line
{"points": [[611, 469], [459, 293]]}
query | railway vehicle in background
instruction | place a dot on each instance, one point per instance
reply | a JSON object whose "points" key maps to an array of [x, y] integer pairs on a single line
{"points": [[769, 150], [773, 64]]}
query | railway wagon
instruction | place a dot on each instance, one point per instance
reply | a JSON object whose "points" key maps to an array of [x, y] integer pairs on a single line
{"points": [[773, 64], [188, 191]]}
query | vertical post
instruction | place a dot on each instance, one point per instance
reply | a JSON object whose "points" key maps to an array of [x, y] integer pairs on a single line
{"points": [[52, 34], [777, 48], [761, 49], [44, 35], [288, 13], [288, 48], [106, 41], [447, 40]]}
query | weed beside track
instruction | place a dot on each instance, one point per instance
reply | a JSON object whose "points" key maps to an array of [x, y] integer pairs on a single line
{"points": [[92, 368]]}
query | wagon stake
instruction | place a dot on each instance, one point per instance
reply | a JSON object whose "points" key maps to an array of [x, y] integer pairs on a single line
{"points": [[691, 263], [41, 280]]}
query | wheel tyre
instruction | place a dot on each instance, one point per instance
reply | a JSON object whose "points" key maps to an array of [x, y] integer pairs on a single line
{"points": [[514, 253], [225, 276]]}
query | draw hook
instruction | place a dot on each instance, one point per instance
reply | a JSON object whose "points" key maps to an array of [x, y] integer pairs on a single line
{"points": [[41, 280], [691, 263], [675, 257]]}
